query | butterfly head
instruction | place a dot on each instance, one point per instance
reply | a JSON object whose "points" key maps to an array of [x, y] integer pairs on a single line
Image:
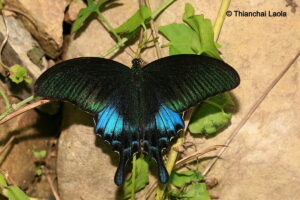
{"points": [[136, 63]]}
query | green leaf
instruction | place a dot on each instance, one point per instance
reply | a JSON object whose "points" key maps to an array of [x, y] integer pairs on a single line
{"points": [[179, 179], [195, 191], [17, 73], [183, 40], [1, 4], [39, 171], [204, 30], [2, 180], [141, 179], [40, 154], [210, 116], [189, 11], [141, 16], [85, 13], [14, 193]]}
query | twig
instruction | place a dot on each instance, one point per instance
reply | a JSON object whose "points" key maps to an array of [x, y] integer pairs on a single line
{"points": [[220, 18], [4, 43], [24, 109], [23, 14], [7, 144], [55, 193], [250, 112], [192, 157]]}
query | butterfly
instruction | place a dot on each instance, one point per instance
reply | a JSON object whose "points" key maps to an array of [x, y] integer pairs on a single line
{"points": [[140, 108]]}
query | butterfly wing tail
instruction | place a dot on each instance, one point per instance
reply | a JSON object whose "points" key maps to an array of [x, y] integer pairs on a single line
{"points": [[121, 134], [158, 132]]}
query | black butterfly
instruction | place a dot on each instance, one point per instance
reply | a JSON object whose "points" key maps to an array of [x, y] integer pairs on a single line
{"points": [[137, 109]]}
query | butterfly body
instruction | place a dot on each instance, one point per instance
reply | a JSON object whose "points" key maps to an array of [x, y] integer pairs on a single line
{"points": [[137, 109]]}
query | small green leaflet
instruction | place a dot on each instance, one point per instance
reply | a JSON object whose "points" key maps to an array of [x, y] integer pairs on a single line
{"points": [[18, 74], [40, 154], [141, 179], [39, 171], [179, 179], [196, 37], [210, 116], [139, 18], [181, 38], [189, 186], [85, 13], [2, 180], [204, 30]]}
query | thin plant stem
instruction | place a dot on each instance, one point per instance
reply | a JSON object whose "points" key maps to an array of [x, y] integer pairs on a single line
{"points": [[5, 98], [16, 106], [162, 8], [108, 25], [220, 18], [133, 177], [115, 47], [154, 33]]}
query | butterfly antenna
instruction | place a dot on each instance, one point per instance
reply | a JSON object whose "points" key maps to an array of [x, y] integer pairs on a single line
{"points": [[131, 53]]}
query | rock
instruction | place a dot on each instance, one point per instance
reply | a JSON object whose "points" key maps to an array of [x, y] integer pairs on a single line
{"points": [[19, 45], [21, 49], [44, 19], [74, 8]]}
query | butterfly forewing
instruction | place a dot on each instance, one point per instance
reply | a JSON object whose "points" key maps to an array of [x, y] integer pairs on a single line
{"points": [[185, 80], [88, 82]]}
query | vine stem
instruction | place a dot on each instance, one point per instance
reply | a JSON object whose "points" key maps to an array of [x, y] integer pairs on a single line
{"points": [[16, 106], [5, 98], [161, 8], [108, 25], [172, 156], [220, 18]]}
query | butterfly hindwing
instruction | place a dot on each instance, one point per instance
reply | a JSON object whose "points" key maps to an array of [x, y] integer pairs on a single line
{"points": [[161, 127], [118, 123], [185, 80]]}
